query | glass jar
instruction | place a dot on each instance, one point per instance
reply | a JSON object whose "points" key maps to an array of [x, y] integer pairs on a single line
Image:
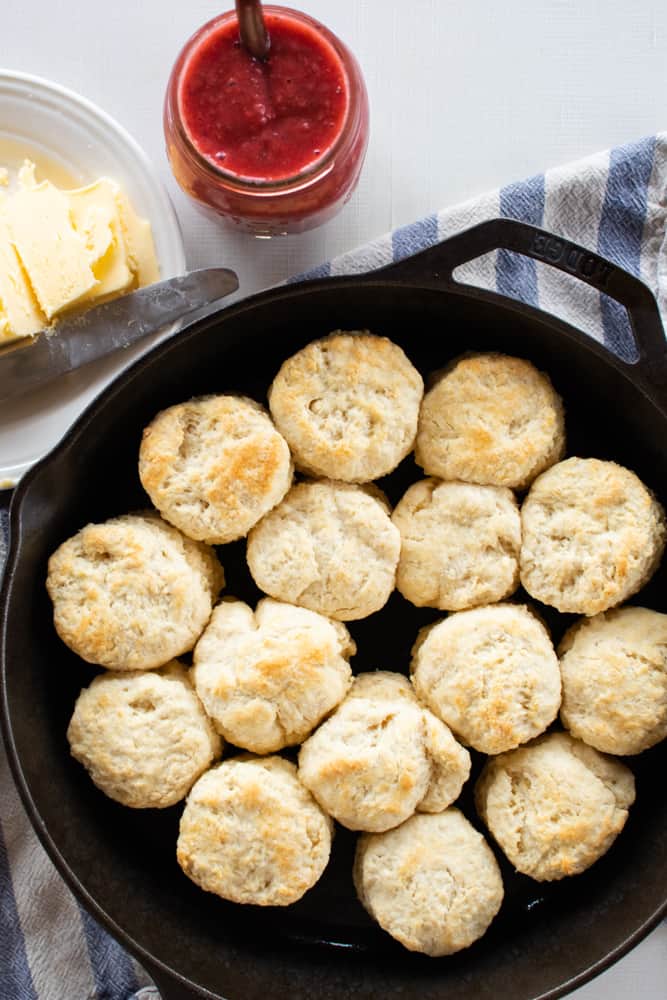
{"points": [[267, 206]]}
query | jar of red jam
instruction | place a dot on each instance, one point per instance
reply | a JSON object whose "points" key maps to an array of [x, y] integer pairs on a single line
{"points": [[273, 146]]}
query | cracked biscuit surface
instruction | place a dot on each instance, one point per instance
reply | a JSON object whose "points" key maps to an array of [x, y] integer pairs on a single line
{"points": [[213, 466], [490, 419], [490, 673], [329, 547], [433, 883], [132, 593], [459, 544], [143, 737], [614, 670], [252, 833], [592, 536], [381, 756], [268, 677], [348, 406], [554, 806]]}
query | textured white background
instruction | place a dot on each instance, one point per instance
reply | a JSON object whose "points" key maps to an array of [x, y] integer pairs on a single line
{"points": [[464, 97]]}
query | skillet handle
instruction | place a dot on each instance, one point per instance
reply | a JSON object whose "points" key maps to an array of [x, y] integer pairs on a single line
{"points": [[436, 265]]}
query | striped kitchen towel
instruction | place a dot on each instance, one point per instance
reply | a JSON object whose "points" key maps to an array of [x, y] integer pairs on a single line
{"points": [[614, 203]]}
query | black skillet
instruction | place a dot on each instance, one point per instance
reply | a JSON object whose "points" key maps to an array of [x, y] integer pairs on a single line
{"points": [[121, 863]]}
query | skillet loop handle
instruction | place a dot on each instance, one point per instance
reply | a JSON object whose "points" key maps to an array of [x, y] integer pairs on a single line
{"points": [[436, 265]]}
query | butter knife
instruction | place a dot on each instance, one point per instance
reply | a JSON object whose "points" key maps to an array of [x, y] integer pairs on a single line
{"points": [[32, 361]]}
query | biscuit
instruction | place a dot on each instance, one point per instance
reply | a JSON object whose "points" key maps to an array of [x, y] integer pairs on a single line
{"points": [[491, 674], [268, 677], [614, 670], [132, 593], [348, 406], [251, 833], [490, 419], [143, 737], [381, 756], [554, 806], [593, 535], [450, 762], [214, 466], [459, 544], [329, 547], [432, 883]]}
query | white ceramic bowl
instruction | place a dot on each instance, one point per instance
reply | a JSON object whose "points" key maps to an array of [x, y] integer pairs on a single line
{"points": [[48, 121]]}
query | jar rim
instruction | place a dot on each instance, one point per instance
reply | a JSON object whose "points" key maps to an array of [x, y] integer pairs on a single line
{"points": [[260, 186]]}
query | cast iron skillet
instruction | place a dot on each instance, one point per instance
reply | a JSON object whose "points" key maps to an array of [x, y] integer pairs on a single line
{"points": [[121, 862]]}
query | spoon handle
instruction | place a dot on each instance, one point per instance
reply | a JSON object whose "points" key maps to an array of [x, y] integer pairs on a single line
{"points": [[254, 36]]}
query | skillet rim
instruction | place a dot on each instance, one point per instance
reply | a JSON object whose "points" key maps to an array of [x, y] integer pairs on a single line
{"points": [[636, 373]]}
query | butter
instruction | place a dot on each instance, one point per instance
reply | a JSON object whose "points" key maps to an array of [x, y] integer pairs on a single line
{"points": [[20, 314], [4, 177], [26, 175], [96, 217], [139, 241], [67, 249], [53, 254]]}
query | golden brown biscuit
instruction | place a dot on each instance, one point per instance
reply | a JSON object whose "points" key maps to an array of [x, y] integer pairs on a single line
{"points": [[490, 673], [348, 406], [133, 592], [144, 737], [554, 806], [614, 670], [592, 536], [490, 419], [268, 677], [432, 882], [329, 547], [251, 833], [459, 544], [381, 756], [213, 466]]}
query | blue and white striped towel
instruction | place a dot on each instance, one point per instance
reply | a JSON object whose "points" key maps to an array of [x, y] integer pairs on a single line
{"points": [[614, 203]]}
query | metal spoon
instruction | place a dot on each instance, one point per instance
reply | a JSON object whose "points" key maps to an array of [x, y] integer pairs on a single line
{"points": [[254, 36]]}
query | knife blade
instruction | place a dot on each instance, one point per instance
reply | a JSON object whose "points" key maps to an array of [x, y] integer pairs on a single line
{"points": [[113, 326]]}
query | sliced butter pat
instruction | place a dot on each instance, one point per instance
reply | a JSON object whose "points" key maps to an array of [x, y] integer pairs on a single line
{"points": [[51, 251], [139, 242], [20, 315], [62, 249], [96, 218]]}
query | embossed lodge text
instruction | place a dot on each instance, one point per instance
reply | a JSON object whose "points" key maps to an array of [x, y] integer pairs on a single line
{"points": [[580, 262]]}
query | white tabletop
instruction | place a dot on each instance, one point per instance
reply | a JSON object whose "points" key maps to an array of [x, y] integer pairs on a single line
{"points": [[464, 97]]}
